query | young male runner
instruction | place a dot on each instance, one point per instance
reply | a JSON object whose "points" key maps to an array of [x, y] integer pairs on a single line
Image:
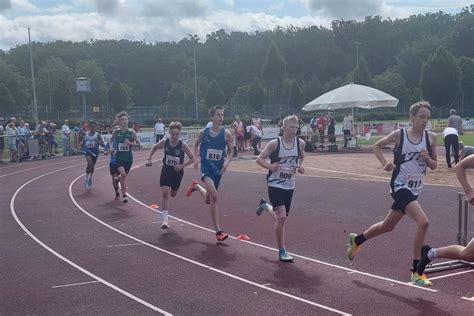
{"points": [[173, 165], [90, 146], [211, 145], [454, 252], [286, 155], [415, 151], [126, 140]]}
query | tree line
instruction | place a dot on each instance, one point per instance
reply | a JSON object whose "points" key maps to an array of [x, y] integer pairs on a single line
{"points": [[429, 56]]}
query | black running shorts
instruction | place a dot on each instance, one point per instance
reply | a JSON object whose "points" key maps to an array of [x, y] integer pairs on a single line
{"points": [[401, 199], [280, 197], [171, 178]]}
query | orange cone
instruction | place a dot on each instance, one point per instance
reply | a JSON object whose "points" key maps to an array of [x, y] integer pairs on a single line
{"points": [[154, 206], [243, 237]]}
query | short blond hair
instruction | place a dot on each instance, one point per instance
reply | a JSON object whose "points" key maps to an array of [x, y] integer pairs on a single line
{"points": [[175, 125], [289, 118], [415, 107], [120, 114]]}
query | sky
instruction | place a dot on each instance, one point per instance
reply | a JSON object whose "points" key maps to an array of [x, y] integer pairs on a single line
{"points": [[172, 20]]}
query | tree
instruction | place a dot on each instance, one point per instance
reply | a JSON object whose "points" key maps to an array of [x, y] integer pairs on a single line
{"points": [[214, 95], [311, 89], [467, 81], [440, 78], [362, 75], [17, 86], [296, 98], [273, 71], [62, 98], [256, 95], [7, 102], [393, 84], [118, 96]]}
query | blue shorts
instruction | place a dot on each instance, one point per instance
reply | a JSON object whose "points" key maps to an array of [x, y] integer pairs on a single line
{"points": [[208, 170]]}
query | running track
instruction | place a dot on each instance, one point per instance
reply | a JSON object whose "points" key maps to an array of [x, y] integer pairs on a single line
{"points": [[69, 250]]}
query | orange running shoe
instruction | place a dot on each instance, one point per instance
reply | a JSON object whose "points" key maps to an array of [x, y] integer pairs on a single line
{"points": [[221, 236], [191, 188]]}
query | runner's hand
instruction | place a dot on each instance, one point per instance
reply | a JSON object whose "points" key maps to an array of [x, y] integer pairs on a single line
{"points": [[389, 166], [148, 163], [425, 154], [178, 167], [274, 167], [300, 169]]}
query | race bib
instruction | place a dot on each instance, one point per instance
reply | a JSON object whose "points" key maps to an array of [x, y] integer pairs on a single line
{"points": [[90, 144], [214, 154], [171, 161], [414, 182], [286, 173], [123, 147]]}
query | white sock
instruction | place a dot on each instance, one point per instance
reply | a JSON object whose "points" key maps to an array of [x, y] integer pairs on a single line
{"points": [[432, 254], [165, 215]]}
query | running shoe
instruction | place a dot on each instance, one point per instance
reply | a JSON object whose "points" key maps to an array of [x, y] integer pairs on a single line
{"points": [[221, 236], [165, 223], [261, 207], [420, 280], [90, 181], [285, 257], [124, 199], [86, 183], [191, 188], [424, 260], [353, 249], [117, 196]]}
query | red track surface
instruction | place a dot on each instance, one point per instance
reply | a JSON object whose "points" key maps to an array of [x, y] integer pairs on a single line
{"points": [[135, 267]]}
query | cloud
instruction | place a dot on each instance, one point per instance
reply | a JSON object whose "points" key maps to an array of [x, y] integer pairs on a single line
{"points": [[107, 7], [5, 5], [345, 9]]}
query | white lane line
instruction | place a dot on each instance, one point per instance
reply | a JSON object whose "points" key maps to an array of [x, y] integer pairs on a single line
{"points": [[450, 275], [293, 254], [468, 298], [73, 284], [297, 298], [37, 167], [125, 245], [106, 283]]}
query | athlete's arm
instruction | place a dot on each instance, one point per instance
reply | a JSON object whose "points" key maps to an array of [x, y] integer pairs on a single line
{"points": [[466, 163], [189, 153], [391, 138], [230, 150], [153, 149], [431, 160], [196, 148], [302, 145], [261, 159], [100, 140]]}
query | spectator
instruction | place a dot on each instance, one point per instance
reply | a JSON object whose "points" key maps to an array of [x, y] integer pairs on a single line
{"points": [[12, 138], [247, 123], [331, 127], [451, 140], [255, 137], [347, 127], [66, 133], [238, 127], [280, 125], [455, 121], [257, 121], [300, 124], [159, 130], [322, 123], [2, 139], [23, 133], [465, 151]]}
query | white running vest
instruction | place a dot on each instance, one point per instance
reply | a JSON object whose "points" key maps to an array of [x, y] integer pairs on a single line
{"points": [[287, 159], [411, 168], [91, 141]]}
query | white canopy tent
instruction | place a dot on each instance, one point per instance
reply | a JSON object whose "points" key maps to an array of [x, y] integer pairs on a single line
{"points": [[351, 96]]}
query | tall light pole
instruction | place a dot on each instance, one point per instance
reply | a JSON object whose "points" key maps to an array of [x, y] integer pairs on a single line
{"points": [[357, 52], [35, 104], [83, 85], [195, 38]]}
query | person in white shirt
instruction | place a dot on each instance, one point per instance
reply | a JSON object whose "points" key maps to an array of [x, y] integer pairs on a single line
{"points": [[159, 130], [66, 132], [255, 137], [347, 126], [451, 140]]}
